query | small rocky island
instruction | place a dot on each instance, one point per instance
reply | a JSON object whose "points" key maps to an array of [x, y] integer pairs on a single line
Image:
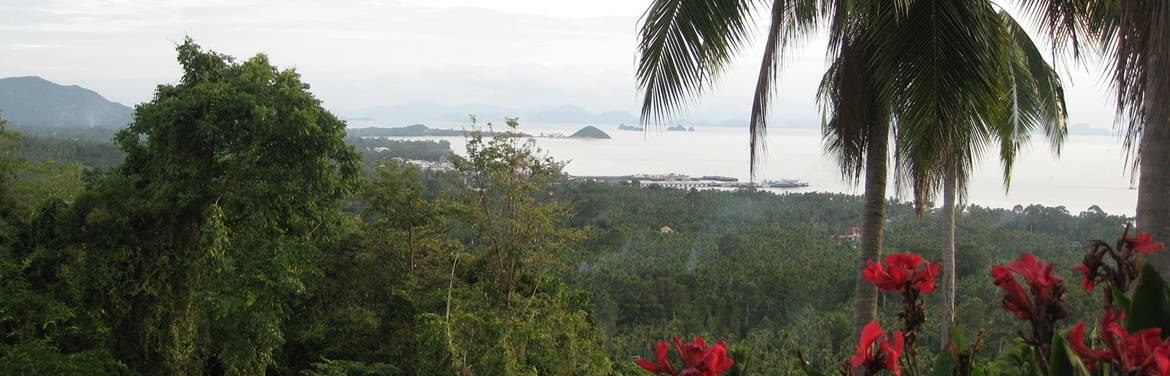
{"points": [[589, 132], [625, 127]]}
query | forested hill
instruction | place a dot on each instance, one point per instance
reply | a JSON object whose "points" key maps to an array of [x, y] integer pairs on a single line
{"points": [[33, 102]]}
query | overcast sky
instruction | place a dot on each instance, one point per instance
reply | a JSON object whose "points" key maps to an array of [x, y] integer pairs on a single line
{"points": [[513, 53]]}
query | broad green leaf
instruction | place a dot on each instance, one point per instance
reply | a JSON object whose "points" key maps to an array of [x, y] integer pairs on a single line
{"points": [[958, 339], [944, 364], [1120, 300], [1016, 360], [1062, 361], [1149, 307]]}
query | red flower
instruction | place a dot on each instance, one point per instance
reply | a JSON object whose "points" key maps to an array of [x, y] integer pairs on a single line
{"points": [[1087, 282], [883, 357], [1016, 300], [902, 271], [1138, 353], [1039, 278], [1142, 243], [1047, 290], [1076, 339], [924, 278], [663, 365], [1162, 358], [699, 359]]}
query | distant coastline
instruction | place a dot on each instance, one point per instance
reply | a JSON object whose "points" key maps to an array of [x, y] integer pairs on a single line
{"points": [[416, 130]]}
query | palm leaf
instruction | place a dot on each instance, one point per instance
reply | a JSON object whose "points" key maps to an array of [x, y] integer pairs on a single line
{"points": [[939, 67], [1032, 97], [790, 19], [683, 45], [852, 109]]}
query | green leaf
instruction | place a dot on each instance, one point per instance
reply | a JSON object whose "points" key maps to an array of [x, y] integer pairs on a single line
{"points": [[1149, 308], [944, 364], [1016, 360], [1120, 300], [1062, 361], [958, 339]]}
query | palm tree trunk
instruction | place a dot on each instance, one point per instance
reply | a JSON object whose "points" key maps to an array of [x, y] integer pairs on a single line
{"points": [[1153, 207], [1153, 211], [865, 294], [948, 270]]}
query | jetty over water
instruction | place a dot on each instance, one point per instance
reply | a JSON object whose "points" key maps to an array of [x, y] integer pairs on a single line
{"points": [[686, 181]]}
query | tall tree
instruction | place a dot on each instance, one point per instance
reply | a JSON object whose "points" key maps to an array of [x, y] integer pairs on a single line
{"points": [[856, 131], [685, 44], [1133, 35], [194, 245], [963, 78]]}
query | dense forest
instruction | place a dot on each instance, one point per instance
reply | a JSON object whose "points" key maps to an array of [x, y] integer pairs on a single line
{"points": [[231, 230]]}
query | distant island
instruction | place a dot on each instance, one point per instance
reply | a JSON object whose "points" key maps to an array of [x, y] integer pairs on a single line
{"points": [[624, 127], [416, 130], [681, 128], [589, 132]]}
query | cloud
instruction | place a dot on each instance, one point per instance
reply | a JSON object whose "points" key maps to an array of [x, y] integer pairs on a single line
{"points": [[360, 53], [34, 46]]}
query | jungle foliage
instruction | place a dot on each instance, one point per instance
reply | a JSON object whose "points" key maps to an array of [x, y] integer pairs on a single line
{"points": [[238, 236]]}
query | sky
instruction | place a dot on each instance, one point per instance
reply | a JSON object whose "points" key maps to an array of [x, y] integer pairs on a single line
{"points": [[367, 53]]}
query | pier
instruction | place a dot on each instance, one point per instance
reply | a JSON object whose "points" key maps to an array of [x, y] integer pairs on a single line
{"points": [[686, 181]]}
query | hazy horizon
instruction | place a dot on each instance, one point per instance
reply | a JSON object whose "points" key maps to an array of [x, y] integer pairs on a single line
{"points": [[363, 54]]}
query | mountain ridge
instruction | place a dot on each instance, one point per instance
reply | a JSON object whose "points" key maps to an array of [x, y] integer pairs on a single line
{"points": [[32, 101]]}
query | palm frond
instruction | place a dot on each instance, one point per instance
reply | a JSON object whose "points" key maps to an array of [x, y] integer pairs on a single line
{"points": [[1032, 97], [939, 66], [1140, 51], [789, 20], [1132, 35], [683, 46], [1069, 23], [852, 109]]}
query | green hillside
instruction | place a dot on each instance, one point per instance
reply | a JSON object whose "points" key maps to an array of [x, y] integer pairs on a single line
{"points": [[35, 102]]}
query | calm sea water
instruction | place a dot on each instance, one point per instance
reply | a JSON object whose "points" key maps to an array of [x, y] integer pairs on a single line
{"points": [[1091, 170]]}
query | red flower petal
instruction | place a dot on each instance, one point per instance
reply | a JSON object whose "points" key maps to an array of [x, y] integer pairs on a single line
{"points": [[1162, 358], [1076, 340], [1085, 281], [892, 354], [924, 278], [869, 334], [875, 274], [663, 360], [903, 260], [1016, 300], [1141, 243], [647, 365]]}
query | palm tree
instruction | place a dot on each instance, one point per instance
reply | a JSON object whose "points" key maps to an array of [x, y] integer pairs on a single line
{"points": [[684, 46], [1133, 35], [856, 131], [966, 78]]}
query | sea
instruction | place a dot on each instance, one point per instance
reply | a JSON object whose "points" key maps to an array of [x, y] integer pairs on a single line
{"points": [[1089, 170]]}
